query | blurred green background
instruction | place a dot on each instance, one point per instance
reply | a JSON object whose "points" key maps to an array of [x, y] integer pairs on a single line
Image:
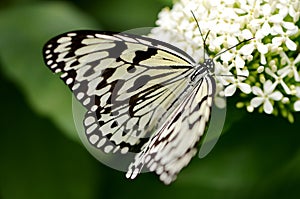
{"points": [[42, 157]]}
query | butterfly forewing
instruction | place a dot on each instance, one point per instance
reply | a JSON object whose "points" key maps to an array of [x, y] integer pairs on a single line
{"points": [[138, 95], [125, 82]]}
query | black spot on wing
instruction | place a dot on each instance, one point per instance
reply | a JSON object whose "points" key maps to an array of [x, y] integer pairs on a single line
{"points": [[131, 69], [107, 73], [143, 55], [114, 124], [117, 50], [176, 117], [139, 82]]}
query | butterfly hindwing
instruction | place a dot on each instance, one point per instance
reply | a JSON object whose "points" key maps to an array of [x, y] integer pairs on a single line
{"points": [[173, 146]]}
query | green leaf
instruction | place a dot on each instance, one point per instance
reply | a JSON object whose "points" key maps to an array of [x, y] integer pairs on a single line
{"points": [[24, 30], [124, 15], [37, 161]]}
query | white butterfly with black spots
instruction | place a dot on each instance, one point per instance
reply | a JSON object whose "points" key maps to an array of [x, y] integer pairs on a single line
{"points": [[141, 95]]}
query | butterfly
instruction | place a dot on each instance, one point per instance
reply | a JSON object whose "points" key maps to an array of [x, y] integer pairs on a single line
{"points": [[141, 96]]}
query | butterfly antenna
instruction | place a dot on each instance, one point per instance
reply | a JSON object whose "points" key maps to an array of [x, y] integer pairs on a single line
{"points": [[203, 39], [217, 55], [244, 76]]}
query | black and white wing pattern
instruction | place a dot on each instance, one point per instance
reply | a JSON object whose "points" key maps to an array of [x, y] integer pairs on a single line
{"points": [[173, 145], [141, 95]]}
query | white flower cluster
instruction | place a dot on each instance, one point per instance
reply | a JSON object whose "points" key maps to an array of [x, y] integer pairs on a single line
{"points": [[264, 69]]}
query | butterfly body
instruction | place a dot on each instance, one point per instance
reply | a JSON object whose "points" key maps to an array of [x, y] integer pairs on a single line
{"points": [[141, 95]]}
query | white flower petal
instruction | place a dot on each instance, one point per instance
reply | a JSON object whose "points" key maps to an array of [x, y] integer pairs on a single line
{"points": [[292, 12], [277, 41], [290, 44], [266, 29], [247, 49], [285, 87], [257, 101], [284, 70], [271, 73], [298, 91], [247, 34], [296, 74], [230, 90], [297, 105], [256, 23], [292, 32], [262, 48], [245, 88], [276, 96], [268, 87], [257, 91], [276, 18], [239, 62], [266, 9], [218, 41], [259, 34], [289, 25], [277, 29], [296, 17], [268, 108], [244, 72], [232, 41], [297, 60], [227, 56], [263, 59], [283, 11]]}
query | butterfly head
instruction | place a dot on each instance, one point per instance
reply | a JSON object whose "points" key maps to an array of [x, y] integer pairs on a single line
{"points": [[209, 65]]}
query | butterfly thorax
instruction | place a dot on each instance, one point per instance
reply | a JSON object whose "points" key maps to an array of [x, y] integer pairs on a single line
{"points": [[201, 70]]}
